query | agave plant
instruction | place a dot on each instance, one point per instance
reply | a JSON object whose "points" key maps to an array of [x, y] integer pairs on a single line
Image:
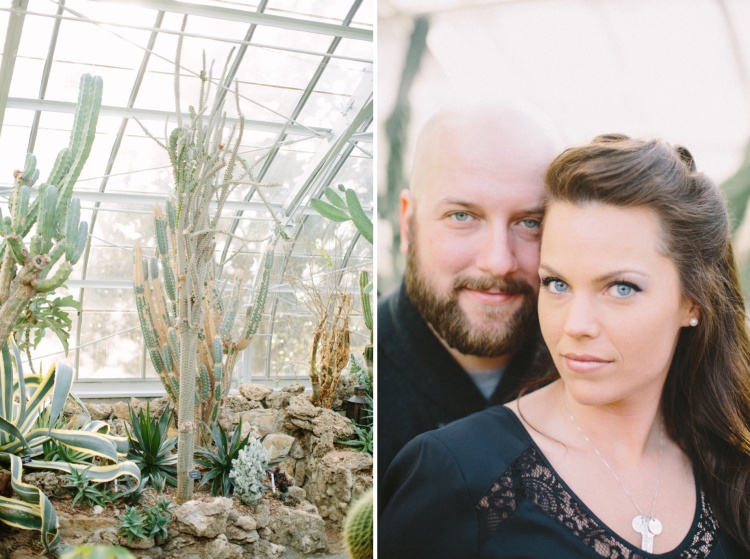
{"points": [[151, 446], [23, 399], [219, 460]]}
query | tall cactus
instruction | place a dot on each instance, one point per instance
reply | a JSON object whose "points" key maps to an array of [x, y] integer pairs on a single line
{"points": [[46, 262], [187, 328]]}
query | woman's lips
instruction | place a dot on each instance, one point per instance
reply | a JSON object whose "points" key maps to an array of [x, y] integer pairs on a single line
{"points": [[584, 363]]}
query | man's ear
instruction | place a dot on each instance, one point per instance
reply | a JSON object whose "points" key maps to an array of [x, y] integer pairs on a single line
{"points": [[407, 210]]}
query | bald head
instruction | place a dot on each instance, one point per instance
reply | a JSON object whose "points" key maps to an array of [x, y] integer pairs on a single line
{"points": [[486, 139]]}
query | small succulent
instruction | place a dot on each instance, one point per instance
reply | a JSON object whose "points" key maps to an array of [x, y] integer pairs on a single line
{"points": [[132, 524], [249, 470], [85, 491]]}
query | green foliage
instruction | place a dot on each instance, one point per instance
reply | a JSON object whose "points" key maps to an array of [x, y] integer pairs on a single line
{"points": [[249, 471], [362, 440], [218, 459], [149, 521], [86, 492], [98, 552], [132, 524], [344, 209], [44, 314], [357, 533], [40, 262], [151, 446], [30, 407]]}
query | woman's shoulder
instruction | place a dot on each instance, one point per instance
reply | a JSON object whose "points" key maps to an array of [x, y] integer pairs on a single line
{"points": [[494, 435]]}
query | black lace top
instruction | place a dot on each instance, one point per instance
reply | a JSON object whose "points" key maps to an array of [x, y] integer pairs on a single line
{"points": [[480, 488]]}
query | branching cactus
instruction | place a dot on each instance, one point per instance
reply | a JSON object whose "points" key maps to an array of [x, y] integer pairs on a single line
{"points": [[44, 261], [186, 326], [330, 352]]}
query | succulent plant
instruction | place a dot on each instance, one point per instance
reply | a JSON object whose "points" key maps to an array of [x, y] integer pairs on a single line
{"points": [[357, 534]]}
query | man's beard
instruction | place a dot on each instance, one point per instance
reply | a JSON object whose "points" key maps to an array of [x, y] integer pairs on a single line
{"points": [[448, 319]]}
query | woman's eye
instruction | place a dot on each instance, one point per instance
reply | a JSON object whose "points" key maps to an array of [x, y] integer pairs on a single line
{"points": [[461, 216], [555, 285], [623, 289]]}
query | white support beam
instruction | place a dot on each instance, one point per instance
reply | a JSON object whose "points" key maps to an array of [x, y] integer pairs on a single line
{"points": [[235, 14], [360, 109], [160, 116], [10, 52]]}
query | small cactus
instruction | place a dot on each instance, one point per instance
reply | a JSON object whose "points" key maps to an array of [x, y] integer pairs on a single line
{"points": [[357, 534]]}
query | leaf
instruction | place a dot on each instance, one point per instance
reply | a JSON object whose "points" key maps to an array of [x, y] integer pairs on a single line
{"points": [[363, 223], [334, 198], [328, 211]]}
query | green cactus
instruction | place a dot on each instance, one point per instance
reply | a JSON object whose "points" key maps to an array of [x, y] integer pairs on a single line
{"points": [[187, 327], [357, 534], [59, 232]]}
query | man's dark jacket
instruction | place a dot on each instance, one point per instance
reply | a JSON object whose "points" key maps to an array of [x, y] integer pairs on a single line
{"points": [[421, 387]]}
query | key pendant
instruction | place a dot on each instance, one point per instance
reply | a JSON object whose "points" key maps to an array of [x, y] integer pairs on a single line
{"points": [[648, 528]]}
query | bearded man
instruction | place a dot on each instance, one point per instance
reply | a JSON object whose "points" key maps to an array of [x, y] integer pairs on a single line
{"points": [[462, 332]]}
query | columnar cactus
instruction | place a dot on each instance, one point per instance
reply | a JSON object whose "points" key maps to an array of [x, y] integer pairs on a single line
{"points": [[186, 326], [60, 237], [330, 352]]}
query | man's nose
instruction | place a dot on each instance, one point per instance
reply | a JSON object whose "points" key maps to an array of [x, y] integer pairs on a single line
{"points": [[496, 255]]}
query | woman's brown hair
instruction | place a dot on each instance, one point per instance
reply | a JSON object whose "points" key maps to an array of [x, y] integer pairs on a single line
{"points": [[706, 398]]}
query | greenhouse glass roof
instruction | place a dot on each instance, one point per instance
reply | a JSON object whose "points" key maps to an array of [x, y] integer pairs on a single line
{"points": [[305, 83]]}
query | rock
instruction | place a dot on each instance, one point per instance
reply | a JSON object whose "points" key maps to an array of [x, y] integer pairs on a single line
{"points": [[5, 484], [117, 427], [236, 534], [97, 510], [49, 482], [70, 525], [256, 392], [263, 549], [136, 543], [299, 529], [267, 421], [250, 429], [121, 411], [278, 445], [279, 400], [237, 403], [246, 523], [297, 493], [262, 514], [295, 388], [156, 406], [302, 414], [99, 412], [300, 472], [297, 452], [203, 519]]}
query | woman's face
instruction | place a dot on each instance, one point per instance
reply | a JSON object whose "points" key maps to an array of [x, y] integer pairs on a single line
{"points": [[610, 302]]}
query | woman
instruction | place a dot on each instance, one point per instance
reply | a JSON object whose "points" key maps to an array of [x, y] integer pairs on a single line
{"points": [[638, 445]]}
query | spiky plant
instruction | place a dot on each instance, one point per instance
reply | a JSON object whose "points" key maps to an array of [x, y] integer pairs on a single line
{"points": [[186, 327], [151, 446], [218, 458], [41, 263]]}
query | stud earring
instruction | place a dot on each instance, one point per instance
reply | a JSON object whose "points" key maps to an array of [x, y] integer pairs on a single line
{"points": [[694, 322]]}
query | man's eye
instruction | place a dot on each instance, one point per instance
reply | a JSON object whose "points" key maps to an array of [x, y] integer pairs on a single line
{"points": [[461, 216], [531, 223]]}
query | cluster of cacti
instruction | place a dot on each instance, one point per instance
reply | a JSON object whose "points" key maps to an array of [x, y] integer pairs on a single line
{"points": [[218, 344], [186, 326], [59, 239], [357, 534], [330, 351]]}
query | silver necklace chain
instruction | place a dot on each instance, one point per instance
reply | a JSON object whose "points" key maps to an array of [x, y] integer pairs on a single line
{"points": [[611, 471]]}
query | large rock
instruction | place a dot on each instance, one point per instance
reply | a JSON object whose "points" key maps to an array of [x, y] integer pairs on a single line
{"points": [[156, 406], [237, 403], [302, 414], [203, 519], [278, 445], [256, 392], [215, 548], [99, 412], [267, 421], [304, 531], [295, 388], [50, 483], [335, 480]]}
